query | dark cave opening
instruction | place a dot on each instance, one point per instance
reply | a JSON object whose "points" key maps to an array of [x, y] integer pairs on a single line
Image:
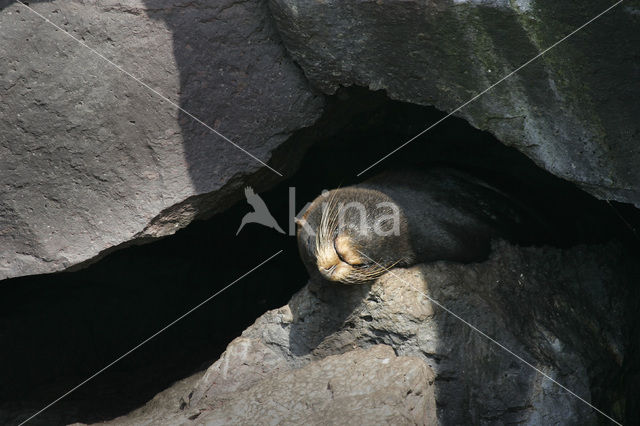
{"points": [[59, 329]]}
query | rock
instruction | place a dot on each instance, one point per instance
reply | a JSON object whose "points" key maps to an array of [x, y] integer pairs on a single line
{"points": [[559, 310], [365, 386], [91, 160], [573, 111], [161, 409], [371, 386], [243, 364], [562, 311]]}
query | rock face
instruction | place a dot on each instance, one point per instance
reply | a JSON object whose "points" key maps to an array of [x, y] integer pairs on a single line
{"points": [[559, 310], [91, 159], [573, 111], [371, 386]]}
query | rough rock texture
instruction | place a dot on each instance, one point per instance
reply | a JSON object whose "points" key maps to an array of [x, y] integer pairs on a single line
{"points": [[372, 386], [574, 111], [559, 310], [90, 159]]}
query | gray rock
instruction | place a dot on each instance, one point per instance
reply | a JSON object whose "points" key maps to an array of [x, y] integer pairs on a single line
{"points": [[574, 111], [559, 310], [371, 386], [562, 311], [363, 386], [91, 160]]}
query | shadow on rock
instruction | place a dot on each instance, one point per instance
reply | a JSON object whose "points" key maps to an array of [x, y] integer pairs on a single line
{"points": [[236, 77], [321, 318], [558, 310]]}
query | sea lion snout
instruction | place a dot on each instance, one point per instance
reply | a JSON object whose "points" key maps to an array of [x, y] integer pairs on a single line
{"points": [[330, 265], [333, 258], [328, 272], [346, 250]]}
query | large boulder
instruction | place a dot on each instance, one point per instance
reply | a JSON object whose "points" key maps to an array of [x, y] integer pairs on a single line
{"points": [[574, 110], [561, 311], [372, 386], [363, 386], [90, 159]]}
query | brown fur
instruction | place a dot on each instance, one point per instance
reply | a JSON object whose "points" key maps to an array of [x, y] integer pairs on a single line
{"points": [[443, 215]]}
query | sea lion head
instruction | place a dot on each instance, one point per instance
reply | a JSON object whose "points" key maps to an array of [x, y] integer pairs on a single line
{"points": [[352, 235]]}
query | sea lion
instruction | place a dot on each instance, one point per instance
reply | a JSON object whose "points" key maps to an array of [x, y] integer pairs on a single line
{"points": [[354, 234]]}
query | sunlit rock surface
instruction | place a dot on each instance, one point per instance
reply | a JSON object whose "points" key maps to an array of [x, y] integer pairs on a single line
{"points": [[574, 110], [562, 311], [90, 159]]}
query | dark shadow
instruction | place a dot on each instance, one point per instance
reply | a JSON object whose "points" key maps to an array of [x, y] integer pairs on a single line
{"points": [[334, 303], [236, 77], [572, 216], [58, 329]]}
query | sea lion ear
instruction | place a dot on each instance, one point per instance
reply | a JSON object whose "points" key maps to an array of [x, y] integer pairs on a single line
{"points": [[300, 222]]}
